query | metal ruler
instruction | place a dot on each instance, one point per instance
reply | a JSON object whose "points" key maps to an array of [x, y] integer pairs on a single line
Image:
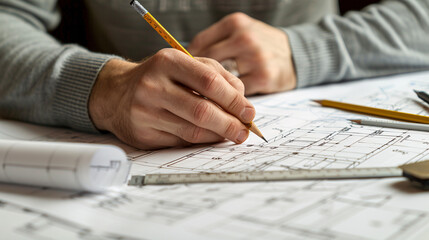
{"points": [[284, 175]]}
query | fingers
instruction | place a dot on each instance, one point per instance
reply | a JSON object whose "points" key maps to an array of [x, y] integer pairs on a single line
{"points": [[229, 77], [246, 57], [170, 123], [225, 49], [143, 137], [157, 140], [217, 32], [160, 108], [214, 85], [259, 82], [253, 85], [206, 115], [208, 37], [154, 128]]}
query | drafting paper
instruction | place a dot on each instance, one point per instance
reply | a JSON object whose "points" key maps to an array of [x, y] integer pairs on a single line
{"points": [[301, 134]]}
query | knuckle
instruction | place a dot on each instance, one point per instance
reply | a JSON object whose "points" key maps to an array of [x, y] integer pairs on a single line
{"points": [[201, 113], [246, 39], [231, 129], [209, 61], [209, 80], [163, 56], [237, 20], [214, 63], [194, 135], [239, 85], [235, 103]]}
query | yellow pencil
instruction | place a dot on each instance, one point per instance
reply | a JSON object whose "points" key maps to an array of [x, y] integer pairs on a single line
{"points": [[375, 111], [175, 44]]}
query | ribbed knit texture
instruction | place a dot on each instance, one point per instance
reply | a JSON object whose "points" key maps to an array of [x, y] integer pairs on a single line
{"points": [[42, 81], [316, 58], [383, 39], [75, 80]]}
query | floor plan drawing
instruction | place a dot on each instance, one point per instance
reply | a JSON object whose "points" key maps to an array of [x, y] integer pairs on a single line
{"points": [[300, 134], [26, 223], [296, 210]]}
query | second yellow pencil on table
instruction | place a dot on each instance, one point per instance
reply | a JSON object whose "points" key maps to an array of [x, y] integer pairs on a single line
{"points": [[175, 44], [375, 111]]}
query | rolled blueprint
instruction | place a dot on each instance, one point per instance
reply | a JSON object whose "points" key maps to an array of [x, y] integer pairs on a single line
{"points": [[75, 166]]}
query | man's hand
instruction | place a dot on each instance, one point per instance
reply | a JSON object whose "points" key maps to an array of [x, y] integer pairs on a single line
{"points": [[154, 105], [262, 52]]}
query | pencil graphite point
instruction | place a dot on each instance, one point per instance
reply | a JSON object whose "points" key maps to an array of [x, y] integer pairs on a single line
{"points": [[317, 101], [252, 127], [355, 120]]}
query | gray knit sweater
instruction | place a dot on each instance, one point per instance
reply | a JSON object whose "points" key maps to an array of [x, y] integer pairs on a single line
{"points": [[45, 82]]}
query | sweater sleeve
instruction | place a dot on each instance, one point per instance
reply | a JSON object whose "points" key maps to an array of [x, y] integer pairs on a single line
{"points": [[42, 81], [387, 38]]}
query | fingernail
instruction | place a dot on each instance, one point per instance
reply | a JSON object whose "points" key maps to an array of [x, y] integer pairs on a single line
{"points": [[247, 114], [242, 136]]}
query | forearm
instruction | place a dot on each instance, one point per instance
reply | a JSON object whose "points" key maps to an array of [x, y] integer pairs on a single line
{"points": [[41, 80], [388, 38]]}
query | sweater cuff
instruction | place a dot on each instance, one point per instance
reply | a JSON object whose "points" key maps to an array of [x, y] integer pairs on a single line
{"points": [[76, 78], [315, 54]]}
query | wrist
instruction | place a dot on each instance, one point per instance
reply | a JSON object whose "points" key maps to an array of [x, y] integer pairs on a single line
{"points": [[109, 87]]}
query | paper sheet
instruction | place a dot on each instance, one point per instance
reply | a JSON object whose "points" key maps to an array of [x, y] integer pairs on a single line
{"points": [[301, 134]]}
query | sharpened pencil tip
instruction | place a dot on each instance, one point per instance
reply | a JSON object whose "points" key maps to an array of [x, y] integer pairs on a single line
{"points": [[317, 101], [252, 127], [354, 120]]}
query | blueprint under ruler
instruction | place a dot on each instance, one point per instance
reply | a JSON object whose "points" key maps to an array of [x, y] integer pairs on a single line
{"points": [[300, 134]]}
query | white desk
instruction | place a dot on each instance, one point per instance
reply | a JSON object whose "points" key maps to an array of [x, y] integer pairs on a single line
{"points": [[301, 134]]}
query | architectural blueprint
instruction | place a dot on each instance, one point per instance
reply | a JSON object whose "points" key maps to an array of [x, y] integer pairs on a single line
{"points": [[300, 134]]}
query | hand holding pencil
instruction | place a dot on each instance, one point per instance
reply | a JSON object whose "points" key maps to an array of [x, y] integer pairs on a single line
{"points": [[175, 44], [153, 104]]}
